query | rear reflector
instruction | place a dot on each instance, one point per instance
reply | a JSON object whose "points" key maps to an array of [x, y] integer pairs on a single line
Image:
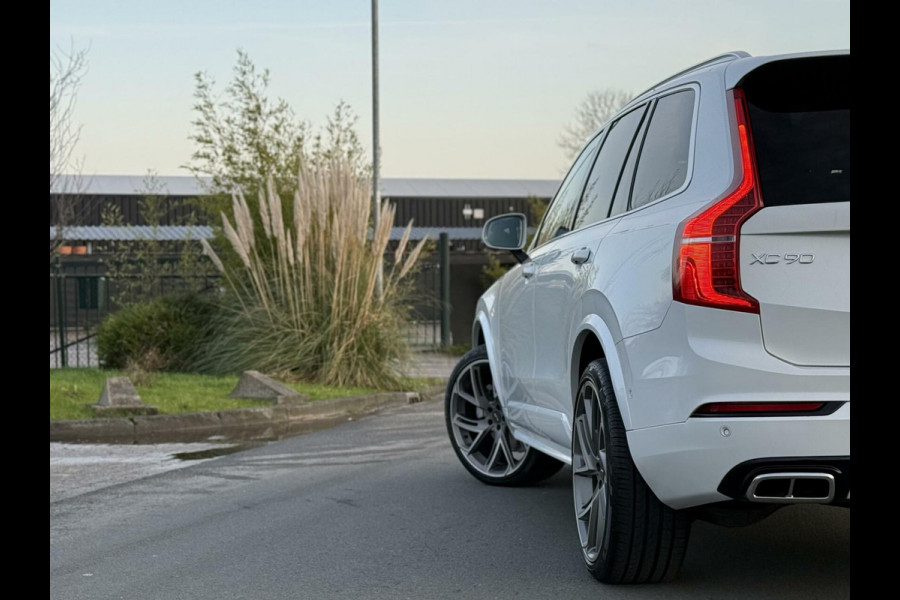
{"points": [[734, 408]]}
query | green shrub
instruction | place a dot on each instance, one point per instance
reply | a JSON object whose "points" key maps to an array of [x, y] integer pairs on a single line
{"points": [[157, 335]]}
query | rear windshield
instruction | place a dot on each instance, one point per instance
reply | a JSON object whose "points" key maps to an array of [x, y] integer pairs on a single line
{"points": [[800, 118]]}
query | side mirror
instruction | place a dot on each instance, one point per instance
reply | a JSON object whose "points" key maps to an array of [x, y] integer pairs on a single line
{"points": [[506, 232]]}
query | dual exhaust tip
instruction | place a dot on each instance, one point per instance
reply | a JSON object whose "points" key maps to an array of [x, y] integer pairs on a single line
{"points": [[792, 488]]}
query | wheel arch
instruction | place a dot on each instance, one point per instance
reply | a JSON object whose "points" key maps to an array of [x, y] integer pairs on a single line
{"points": [[482, 334], [477, 334], [593, 340]]}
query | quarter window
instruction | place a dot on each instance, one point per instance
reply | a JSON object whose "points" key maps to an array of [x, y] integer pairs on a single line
{"points": [[598, 195], [663, 163], [623, 191], [559, 215]]}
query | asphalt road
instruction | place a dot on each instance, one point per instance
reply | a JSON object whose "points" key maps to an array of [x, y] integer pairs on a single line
{"points": [[380, 508]]}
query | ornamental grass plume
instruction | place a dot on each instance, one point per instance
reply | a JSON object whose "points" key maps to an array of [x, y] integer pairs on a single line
{"points": [[302, 302]]}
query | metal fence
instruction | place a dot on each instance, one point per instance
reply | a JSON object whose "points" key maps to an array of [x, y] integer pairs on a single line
{"points": [[424, 327], [82, 295], [429, 323]]}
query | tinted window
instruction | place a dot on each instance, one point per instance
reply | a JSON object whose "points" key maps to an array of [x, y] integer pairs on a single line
{"points": [[623, 191], [800, 119], [559, 215], [604, 176], [663, 163]]}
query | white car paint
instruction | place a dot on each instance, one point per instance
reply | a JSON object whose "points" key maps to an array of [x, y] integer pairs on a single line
{"points": [[804, 302], [667, 358]]}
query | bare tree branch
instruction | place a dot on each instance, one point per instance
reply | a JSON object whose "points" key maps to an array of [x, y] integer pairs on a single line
{"points": [[593, 111], [66, 72]]}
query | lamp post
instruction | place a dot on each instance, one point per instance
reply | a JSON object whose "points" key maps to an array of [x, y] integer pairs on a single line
{"points": [[376, 147]]}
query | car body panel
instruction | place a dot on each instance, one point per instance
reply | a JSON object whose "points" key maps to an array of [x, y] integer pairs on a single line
{"points": [[701, 355], [795, 260], [513, 329], [558, 281]]}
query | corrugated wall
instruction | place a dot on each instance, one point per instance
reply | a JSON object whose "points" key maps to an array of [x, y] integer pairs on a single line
{"points": [[426, 212], [88, 210], [448, 212]]}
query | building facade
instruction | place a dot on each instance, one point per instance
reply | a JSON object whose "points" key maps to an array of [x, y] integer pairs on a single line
{"points": [[108, 209]]}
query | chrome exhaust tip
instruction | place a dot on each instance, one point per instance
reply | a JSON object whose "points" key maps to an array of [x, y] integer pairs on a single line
{"points": [[792, 488]]}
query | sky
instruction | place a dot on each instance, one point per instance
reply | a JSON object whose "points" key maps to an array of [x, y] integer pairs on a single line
{"points": [[469, 88]]}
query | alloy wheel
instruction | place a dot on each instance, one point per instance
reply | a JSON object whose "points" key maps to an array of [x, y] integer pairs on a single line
{"points": [[479, 427], [590, 475]]}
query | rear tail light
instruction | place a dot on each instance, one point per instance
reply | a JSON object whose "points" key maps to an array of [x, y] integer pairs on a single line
{"points": [[707, 262], [737, 408]]}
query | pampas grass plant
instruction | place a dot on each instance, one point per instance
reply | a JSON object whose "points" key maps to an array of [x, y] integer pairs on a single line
{"points": [[303, 302]]}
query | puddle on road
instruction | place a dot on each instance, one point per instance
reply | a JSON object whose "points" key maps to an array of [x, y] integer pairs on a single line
{"points": [[213, 452], [247, 434]]}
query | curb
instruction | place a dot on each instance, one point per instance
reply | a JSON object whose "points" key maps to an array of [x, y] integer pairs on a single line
{"points": [[145, 428]]}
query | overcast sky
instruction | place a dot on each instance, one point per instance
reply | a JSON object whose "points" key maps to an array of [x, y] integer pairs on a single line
{"points": [[469, 88]]}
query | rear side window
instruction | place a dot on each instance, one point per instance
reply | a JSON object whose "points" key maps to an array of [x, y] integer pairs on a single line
{"points": [[604, 176], [800, 118], [559, 216], [663, 162]]}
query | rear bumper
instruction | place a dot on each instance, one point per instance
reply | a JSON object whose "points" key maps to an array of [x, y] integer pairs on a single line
{"points": [[686, 463], [703, 355]]}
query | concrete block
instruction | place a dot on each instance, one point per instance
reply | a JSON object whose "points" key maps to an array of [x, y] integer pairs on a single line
{"points": [[255, 385], [119, 391], [119, 397]]}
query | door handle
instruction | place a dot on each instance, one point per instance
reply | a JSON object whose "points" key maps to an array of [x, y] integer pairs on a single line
{"points": [[580, 256], [529, 270]]}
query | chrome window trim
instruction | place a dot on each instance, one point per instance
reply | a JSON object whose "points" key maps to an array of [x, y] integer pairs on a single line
{"points": [[647, 106], [688, 177], [596, 137]]}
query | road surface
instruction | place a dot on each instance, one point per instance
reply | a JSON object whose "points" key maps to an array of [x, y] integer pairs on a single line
{"points": [[380, 508]]}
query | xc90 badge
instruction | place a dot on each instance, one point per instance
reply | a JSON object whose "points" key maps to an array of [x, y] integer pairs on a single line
{"points": [[787, 258]]}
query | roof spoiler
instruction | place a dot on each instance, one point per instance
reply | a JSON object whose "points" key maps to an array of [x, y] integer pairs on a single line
{"points": [[727, 57]]}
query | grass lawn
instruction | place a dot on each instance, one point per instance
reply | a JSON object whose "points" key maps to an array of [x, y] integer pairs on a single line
{"points": [[72, 390]]}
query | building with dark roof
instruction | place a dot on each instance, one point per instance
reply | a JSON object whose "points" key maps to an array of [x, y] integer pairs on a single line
{"points": [[458, 207], [446, 204]]}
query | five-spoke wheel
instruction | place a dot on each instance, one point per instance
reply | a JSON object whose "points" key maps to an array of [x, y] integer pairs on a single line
{"points": [[479, 428], [590, 484], [480, 433], [627, 535]]}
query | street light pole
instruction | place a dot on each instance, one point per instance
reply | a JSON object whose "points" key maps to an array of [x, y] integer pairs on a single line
{"points": [[376, 145]]}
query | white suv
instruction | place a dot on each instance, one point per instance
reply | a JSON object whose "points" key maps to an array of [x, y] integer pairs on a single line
{"points": [[679, 328]]}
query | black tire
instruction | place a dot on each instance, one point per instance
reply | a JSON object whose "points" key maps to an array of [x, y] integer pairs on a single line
{"points": [[644, 541], [532, 466]]}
